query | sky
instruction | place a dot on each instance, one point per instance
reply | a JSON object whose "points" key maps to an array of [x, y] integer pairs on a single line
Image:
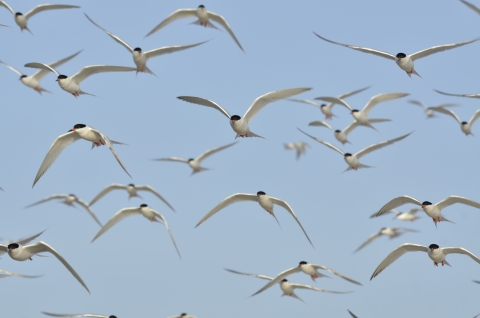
{"points": [[133, 269]]}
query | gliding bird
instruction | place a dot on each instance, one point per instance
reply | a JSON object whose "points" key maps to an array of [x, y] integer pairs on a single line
{"points": [[299, 146], [392, 232], [466, 127], [429, 110]]}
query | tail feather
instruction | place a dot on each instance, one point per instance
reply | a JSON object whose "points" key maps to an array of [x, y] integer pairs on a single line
{"points": [[85, 93], [446, 263], [415, 72], [445, 219], [149, 71], [360, 166], [209, 25]]}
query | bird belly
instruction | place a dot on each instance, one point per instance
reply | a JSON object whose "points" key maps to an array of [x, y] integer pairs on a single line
{"points": [[465, 129], [286, 288], [202, 15], [139, 59], [352, 161], [327, 111], [69, 85], [19, 254], [147, 213], [405, 64], [30, 82], [88, 134], [240, 127], [341, 137], [21, 21], [194, 165], [437, 256], [265, 203], [432, 211], [309, 270]]}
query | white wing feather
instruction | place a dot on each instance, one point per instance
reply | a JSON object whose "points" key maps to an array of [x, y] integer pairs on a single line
{"points": [[382, 144], [395, 203], [439, 48], [120, 215], [44, 7], [110, 146], [221, 20], [210, 152], [179, 14], [204, 102], [113, 186]]}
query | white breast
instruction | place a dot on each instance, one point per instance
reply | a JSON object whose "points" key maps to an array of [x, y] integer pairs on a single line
{"points": [[139, 59], [30, 82], [88, 134], [240, 127], [405, 64], [202, 14], [265, 202], [68, 85], [20, 254], [21, 21], [436, 255]]}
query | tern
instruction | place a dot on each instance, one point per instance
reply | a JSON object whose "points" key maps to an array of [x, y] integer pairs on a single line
{"points": [[429, 110], [351, 314], [392, 232], [287, 287], [22, 241], [203, 16], [432, 210], [21, 19], [132, 192], [79, 131], [471, 6], [33, 81], [353, 159], [140, 57], [69, 199], [78, 315], [342, 135], [307, 268], [144, 210], [20, 252], [239, 124], [72, 84], [459, 95], [465, 126], [327, 109], [299, 146], [362, 115], [404, 61], [402, 216], [437, 255], [265, 201], [195, 163]]}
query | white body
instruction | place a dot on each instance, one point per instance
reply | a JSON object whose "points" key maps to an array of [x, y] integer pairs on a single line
{"points": [[436, 255], [405, 63], [341, 136], [361, 117], [20, 254], [202, 15], [287, 288], [266, 203], [140, 60], [69, 85], [240, 127], [310, 270], [195, 165], [21, 21], [352, 161], [30, 81], [432, 211]]}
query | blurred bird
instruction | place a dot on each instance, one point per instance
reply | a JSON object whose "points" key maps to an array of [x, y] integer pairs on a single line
{"points": [[392, 232], [465, 126], [300, 146], [471, 6], [77, 315], [402, 216], [342, 135], [429, 110], [459, 95]]}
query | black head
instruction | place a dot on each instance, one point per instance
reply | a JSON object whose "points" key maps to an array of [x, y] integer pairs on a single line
{"points": [[201, 6], [143, 205], [18, 13], [235, 117], [302, 263], [183, 314], [284, 280], [347, 154], [191, 159], [401, 55], [131, 185], [338, 131], [72, 195], [355, 111], [78, 126], [13, 246], [112, 316], [137, 49], [23, 76], [433, 246], [61, 77], [323, 105], [426, 203], [464, 123], [260, 193]]}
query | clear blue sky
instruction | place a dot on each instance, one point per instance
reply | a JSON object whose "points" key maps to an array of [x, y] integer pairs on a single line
{"points": [[133, 270]]}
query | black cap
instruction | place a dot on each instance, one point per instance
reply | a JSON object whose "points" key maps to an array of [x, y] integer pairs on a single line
{"points": [[18, 13], [235, 117], [137, 49], [62, 76], [143, 205], [355, 110], [13, 246], [401, 55], [22, 76], [464, 123], [302, 263], [426, 203], [338, 131], [433, 246], [191, 159], [347, 154], [131, 185], [77, 126], [323, 105], [201, 6], [284, 280], [261, 193]]}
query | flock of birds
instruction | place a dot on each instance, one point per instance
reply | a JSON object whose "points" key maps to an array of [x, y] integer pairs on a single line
{"points": [[21, 249]]}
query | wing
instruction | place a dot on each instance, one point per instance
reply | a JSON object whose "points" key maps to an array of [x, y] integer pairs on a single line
{"points": [[351, 314], [336, 273], [396, 253], [471, 6], [268, 98], [413, 211], [152, 190], [404, 229], [204, 102], [321, 124], [439, 48], [302, 286], [380, 98], [172, 159], [334, 100], [3, 249], [62, 142], [55, 196], [278, 278], [287, 207], [447, 105], [113, 186], [95, 69], [460, 250], [120, 215], [86, 207], [42, 67], [324, 142], [4, 4], [395, 203], [474, 117], [459, 95], [390, 211], [220, 20], [168, 229], [370, 239], [361, 49], [44, 7], [354, 124], [254, 275], [39, 75], [169, 49], [446, 112], [455, 199], [110, 146], [418, 103], [210, 152], [7, 273], [42, 247], [11, 67], [382, 144], [179, 14], [237, 197], [345, 95], [113, 36], [305, 101], [74, 315]]}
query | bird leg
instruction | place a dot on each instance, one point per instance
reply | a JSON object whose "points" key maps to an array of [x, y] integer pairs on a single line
{"points": [[443, 263], [435, 263], [31, 259]]}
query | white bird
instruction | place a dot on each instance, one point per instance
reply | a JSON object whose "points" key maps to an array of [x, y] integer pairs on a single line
{"points": [[78, 315], [437, 255], [20, 252], [471, 6], [459, 95], [79, 131], [402, 216], [404, 61], [327, 109], [309, 269], [69, 199], [353, 159], [140, 57], [465, 126], [362, 115], [392, 232], [22, 241], [4, 273], [33, 81], [72, 84], [144, 210], [342, 135], [299, 146], [287, 287], [132, 192], [264, 200], [429, 110], [432, 210], [21, 19], [195, 164], [203, 16], [182, 315], [239, 124]]}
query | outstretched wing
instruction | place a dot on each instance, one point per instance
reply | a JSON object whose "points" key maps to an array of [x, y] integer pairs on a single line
{"points": [[113, 36], [456, 199], [446, 112], [113, 186], [204, 102], [44, 7], [221, 20], [12, 68], [439, 48], [110, 146], [152, 190], [86, 207], [382, 144], [95, 69], [253, 275], [395, 203], [210, 152], [4, 4], [179, 14], [334, 100], [336, 273], [471, 6], [120, 215], [460, 250], [380, 98], [345, 95], [278, 278], [73, 315], [459, 95], [42, 67], [321, 124], [237, 197], [39, 75], [302, 286], [55, 196], [370, 239], [324, 142], [168, 229], [169, 49]]}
